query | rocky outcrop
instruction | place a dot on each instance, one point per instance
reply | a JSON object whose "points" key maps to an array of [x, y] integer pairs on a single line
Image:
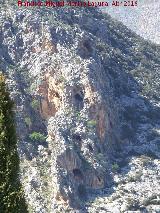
{"points": [[51, 96]]}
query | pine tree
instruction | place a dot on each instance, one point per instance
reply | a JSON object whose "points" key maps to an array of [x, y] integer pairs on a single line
{"points": [[11, 194]]}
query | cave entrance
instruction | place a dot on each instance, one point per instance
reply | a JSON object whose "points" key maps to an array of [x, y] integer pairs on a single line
{"points": [[77, 137], [77, 174], [78, 98]]}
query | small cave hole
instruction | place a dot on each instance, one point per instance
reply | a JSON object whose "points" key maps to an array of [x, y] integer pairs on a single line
{"points": [[77, 137], [87, 45], [78, 100], [99, 179], [49, 152], [90, 148], [77, 174], [111, 125], [78, 97], [85, 48], [57, 95]]}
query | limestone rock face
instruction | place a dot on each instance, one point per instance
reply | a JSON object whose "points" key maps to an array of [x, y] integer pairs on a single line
{"points": [[50, 92], [75, 80]]}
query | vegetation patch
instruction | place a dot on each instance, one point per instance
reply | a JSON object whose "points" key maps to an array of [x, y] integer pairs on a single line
{"points": [[91, 123], [37, 136], [115, 167], [35, 104], [11, 193]]}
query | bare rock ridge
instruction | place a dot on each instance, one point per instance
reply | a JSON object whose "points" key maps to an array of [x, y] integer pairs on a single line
{"points": [[86, 91], [142, 19]]}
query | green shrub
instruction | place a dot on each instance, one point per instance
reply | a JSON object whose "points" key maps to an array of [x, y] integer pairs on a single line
{"points": [[32, 88], [37, 136], [35, 104], [28, 121], [115, 167], [91, 123], [11, 194], [11, 66], [78, 115]]}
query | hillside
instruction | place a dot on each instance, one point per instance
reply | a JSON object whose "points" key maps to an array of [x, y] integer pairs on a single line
{"points": [[143, 19], [86, 90]]}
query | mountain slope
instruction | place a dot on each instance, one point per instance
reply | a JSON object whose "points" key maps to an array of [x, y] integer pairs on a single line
{"points": [[143, 19], [92, 87]]}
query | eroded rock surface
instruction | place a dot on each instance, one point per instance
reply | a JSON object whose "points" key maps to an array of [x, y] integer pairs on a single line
{"points": [[74, 79]]}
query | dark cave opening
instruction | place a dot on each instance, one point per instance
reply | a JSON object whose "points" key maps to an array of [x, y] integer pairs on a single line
{"points": [[77, 174], [78, 100], [77, 137], [90, 148]]}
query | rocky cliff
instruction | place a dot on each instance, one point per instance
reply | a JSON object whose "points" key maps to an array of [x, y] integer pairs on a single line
{"points": [[86, 91]]}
